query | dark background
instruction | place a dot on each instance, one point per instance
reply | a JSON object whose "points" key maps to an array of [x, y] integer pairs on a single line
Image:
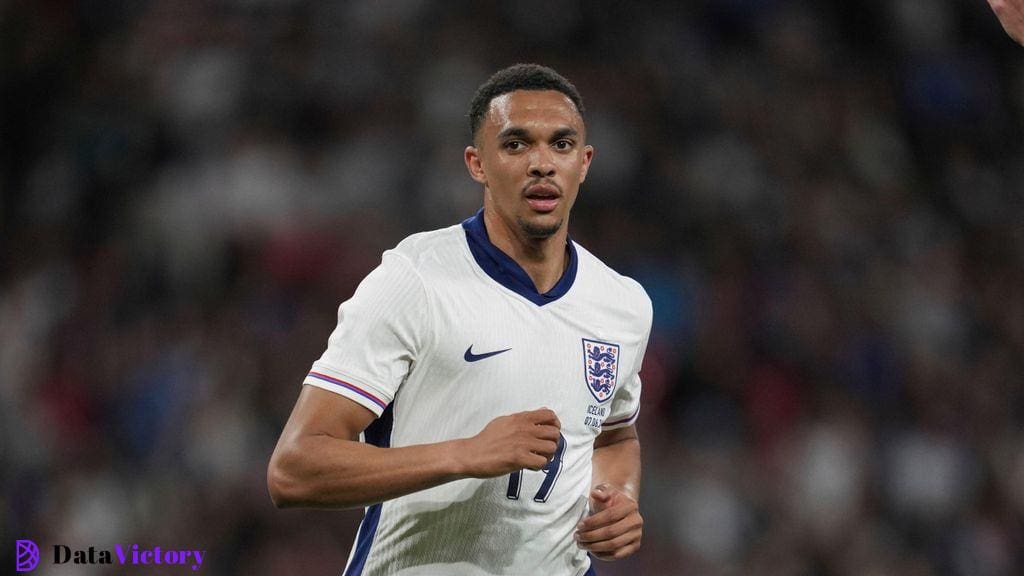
{"points": [[823, 200]]}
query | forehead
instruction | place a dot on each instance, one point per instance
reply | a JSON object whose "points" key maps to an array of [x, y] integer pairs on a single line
{"points": [[532, 108]]}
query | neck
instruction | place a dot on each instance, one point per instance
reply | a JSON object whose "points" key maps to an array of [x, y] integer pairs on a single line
{"points": [[544, 260]]}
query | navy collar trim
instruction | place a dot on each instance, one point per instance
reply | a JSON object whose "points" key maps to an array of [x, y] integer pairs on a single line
{"points": [[507, 272]]}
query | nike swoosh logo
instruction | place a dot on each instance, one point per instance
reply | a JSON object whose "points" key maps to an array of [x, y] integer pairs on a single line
{"points": [[470, 357]]}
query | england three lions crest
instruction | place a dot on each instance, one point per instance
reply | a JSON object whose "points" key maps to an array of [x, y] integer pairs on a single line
{"points": [[600, 366]]}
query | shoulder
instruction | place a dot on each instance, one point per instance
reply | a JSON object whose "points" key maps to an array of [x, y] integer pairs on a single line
{"points": [[613, 286], [423, 250]]}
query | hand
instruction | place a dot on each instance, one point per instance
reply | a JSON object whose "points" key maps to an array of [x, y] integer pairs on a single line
{"points": [[510, 443], [614, 528], [1011, 16]]}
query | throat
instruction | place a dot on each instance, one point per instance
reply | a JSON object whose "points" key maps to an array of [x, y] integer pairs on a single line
{"points": [[544, 258], [545, 271]]}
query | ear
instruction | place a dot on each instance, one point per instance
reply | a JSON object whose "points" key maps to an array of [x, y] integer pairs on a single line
{"points": [[588, 155], [475, 165]]}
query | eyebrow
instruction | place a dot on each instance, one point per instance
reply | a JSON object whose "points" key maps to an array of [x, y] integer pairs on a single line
{"points": [[518, 132], [513, 132], [564, 133]]}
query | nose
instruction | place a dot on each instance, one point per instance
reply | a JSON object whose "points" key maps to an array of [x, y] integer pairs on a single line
{"points": [[541, 164]]}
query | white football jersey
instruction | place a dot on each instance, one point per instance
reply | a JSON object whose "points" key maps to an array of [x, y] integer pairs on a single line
{"points": [[449, 333]]}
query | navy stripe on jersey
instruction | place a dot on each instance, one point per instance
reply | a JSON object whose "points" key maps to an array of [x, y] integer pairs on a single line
{"points": [[379, 434], [364, 539], [507, 272]]}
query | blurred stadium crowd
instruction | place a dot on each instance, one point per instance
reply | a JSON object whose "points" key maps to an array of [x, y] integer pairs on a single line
{"points": [[823, 200]]}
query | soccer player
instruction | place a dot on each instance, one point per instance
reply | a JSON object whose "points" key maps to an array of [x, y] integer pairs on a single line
{"points": [[491, 369], [1011, 16]]}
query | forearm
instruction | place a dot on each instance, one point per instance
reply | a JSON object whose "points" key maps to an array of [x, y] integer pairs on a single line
{"points": [[618, 463], [614, 527], [319, 463], [326, 472]]}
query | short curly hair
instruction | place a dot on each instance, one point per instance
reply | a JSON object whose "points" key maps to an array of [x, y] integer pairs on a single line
{"points": [[518, 77]]}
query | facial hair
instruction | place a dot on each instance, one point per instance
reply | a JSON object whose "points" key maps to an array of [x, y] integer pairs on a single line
{"points": [[535, 232]]}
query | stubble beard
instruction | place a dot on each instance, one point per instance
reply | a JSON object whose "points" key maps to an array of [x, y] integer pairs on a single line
{"points": [[538, 232]]}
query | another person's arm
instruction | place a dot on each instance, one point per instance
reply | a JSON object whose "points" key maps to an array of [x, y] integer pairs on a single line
{"points": [[319, 462], [614, 527], [1011, 16]]}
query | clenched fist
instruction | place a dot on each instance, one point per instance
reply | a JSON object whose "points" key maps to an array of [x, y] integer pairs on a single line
{"points": [[614, 528], [510, 443]]}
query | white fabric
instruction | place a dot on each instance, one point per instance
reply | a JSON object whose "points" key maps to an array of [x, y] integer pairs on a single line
{"points": [[401, 341]]}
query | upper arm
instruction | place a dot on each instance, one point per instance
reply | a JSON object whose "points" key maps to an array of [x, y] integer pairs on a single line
{"points": [[319, 412], [616, 435]]}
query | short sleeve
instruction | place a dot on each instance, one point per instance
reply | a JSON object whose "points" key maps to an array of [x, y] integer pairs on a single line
{"points": [[380, 332], [625, 407]]}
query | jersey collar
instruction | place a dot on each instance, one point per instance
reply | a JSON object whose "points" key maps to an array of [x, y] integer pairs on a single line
{"points": [[507, 272]]}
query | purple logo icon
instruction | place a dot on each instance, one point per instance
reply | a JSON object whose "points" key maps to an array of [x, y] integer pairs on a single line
{"points": [[28, 556]]}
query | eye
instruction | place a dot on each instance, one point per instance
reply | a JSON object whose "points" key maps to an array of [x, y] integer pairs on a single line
{"points": [[563, 145], [514, 145]]}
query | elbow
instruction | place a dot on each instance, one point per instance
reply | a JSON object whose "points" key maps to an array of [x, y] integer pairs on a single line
{"points": [[283, 486]]}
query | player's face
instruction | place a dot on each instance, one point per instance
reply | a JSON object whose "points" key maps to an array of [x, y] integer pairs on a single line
{"points": [[531, 157]]}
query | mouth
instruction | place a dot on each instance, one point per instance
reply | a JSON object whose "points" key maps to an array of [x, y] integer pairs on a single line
{"points": [[542, 197]]}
